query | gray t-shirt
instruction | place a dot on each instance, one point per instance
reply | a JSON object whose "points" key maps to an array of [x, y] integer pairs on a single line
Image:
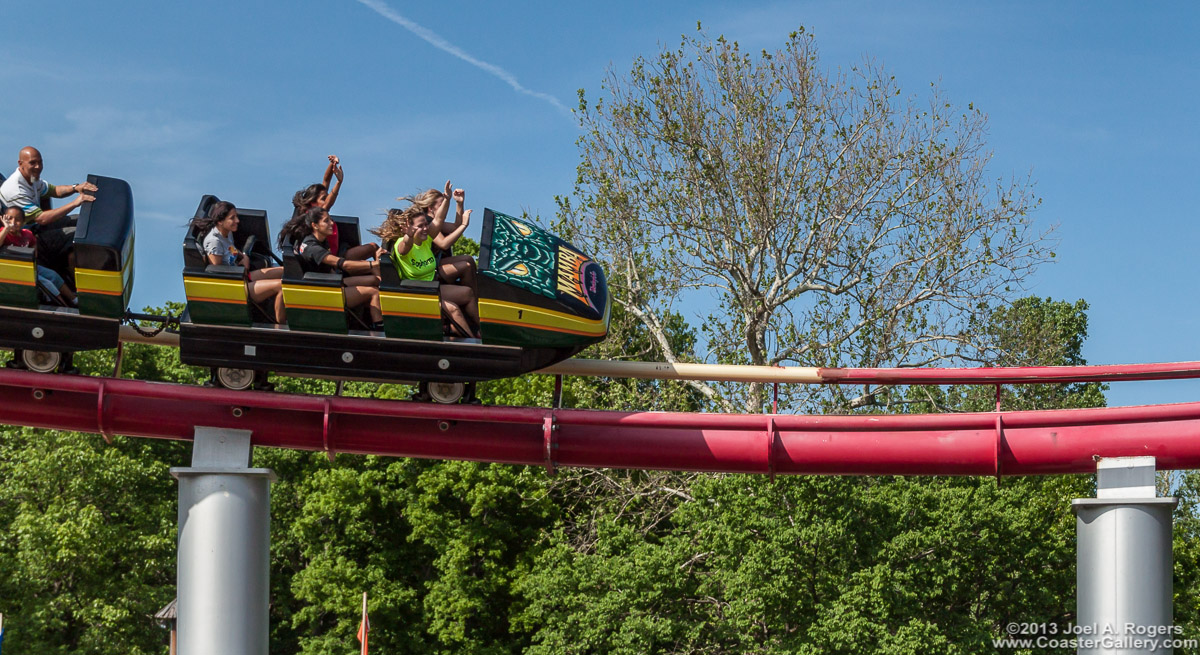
{"points": [[215, 244]]}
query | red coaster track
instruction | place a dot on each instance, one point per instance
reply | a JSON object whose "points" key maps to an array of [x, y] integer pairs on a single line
{"points": [[993, 443]]}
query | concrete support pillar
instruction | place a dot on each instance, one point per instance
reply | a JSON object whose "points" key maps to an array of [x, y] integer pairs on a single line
{"points": [[223, 575], [1124, 561]]}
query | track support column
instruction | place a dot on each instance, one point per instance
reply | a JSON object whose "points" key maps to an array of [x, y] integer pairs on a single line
{"points": [[1124, 561], [223, 570]]}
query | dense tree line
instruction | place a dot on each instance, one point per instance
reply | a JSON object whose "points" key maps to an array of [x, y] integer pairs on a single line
{"points": [[463, 557]]}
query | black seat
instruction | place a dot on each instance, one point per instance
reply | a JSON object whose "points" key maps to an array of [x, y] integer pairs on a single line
{"points": [[348, 233], [19, 295], [350, 237], [193, 250], [251, 223], [103, 245]]}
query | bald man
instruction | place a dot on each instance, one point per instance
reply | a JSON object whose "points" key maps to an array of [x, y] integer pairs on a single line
{"points": [[25, 189]]}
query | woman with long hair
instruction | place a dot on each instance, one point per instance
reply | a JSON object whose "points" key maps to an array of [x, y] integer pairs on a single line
{"points": [[320, 195], [310, 239], [415, 233], [452, 269], [216, 230]]}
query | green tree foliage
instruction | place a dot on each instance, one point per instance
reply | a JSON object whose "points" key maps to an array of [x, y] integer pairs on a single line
{"points": [[436, 544], [88, 545], [1030, 332], [736, 564], [1186, 553], [87, 553], [815, 565], [837, 221]]}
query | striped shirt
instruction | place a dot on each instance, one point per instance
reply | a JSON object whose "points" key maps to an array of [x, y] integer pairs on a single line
{"points": [[16, 191]]}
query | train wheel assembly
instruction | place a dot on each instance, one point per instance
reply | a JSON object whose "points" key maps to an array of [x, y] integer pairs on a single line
{"points": [[40, 361], [446, 393], [237, 379]]}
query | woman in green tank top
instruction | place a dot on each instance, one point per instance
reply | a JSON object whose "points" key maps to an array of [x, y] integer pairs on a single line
{"points": [[416, 231], [418, 263]]}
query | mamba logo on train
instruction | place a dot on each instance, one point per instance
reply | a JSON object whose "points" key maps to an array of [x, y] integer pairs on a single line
{"points": [[579, 277], [526, 256]]}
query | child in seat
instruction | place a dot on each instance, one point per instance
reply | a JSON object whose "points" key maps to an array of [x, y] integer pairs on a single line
{"points": [[13, 233]]}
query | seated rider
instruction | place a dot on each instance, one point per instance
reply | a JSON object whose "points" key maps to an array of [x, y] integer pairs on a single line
{"points": [[360, 278], [216, 229], [320, 195], [452, 269], [409, 231], [54, 228], [14, 234]]}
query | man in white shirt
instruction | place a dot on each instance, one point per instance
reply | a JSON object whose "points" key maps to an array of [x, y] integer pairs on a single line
{"points": [[25, 189]]}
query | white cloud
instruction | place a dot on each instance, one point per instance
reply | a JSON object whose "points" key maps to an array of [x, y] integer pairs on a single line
{"points": [[442, 44]]}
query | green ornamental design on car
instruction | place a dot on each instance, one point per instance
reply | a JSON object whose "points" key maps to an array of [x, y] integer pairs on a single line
{"points": [[523, 255]]}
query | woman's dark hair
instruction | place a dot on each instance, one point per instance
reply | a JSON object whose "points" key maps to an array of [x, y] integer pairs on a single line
{"points": [[300, 226], [204, 224], [289, 228], [305, 197]]}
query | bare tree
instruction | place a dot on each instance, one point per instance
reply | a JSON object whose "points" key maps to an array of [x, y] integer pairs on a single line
{"points": [[835, 221]]}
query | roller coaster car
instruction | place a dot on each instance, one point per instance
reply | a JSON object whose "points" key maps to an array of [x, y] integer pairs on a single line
{"points": [[541, 301], [216, 295], [44, 333]]}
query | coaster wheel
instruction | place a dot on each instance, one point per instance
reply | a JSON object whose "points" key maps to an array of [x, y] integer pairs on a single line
{"points": [[237, 379], [41, 361], [446, 393], [441, 392]]}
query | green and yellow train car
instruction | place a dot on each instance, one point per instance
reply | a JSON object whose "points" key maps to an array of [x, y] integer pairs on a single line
{"points": [[541, 301], [43, 333]]}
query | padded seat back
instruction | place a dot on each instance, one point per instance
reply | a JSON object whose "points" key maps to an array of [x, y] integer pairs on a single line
{"points": [[348, 233], [193, 243], [104, 253], [216, 294], [18, 277], [291, 263]]}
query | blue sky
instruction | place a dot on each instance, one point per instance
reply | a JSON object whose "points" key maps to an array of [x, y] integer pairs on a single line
{"points": [[1096, 99]]}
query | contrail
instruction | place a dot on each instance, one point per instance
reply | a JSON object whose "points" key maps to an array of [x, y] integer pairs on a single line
{"points": [[442, 44]]}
